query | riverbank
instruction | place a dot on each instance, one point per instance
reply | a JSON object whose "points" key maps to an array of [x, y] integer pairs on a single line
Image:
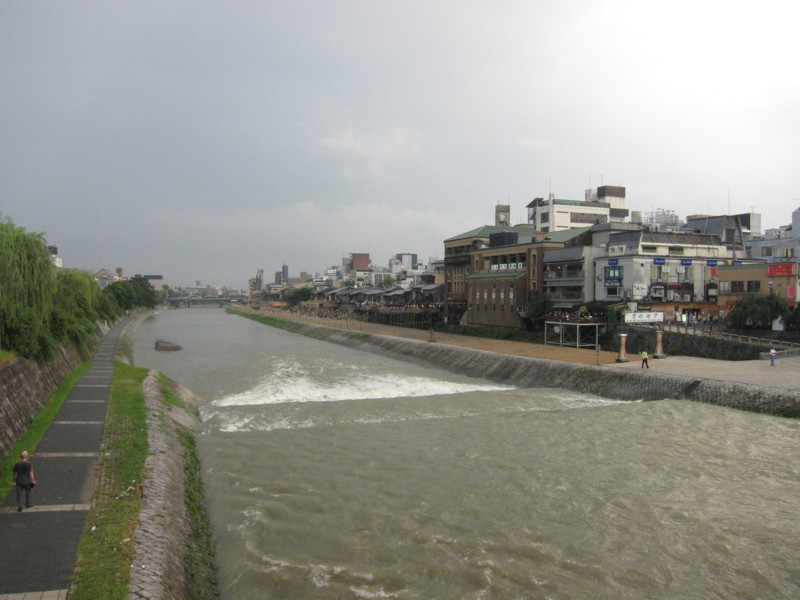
{"points": [[519, 365], [173, 551]]}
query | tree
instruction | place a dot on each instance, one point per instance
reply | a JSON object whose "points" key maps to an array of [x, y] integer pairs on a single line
{"points": [[539, 306], [388, 281], [144, 293], [123, 293], [756, 310], [297, 295], [27, 288]]}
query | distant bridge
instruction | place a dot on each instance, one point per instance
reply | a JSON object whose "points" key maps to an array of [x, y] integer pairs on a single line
{"points": [[189, 301]]}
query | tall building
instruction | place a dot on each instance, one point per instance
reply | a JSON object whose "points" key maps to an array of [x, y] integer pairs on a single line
{"points": [[605, 204], [256, 284], [282, 276]]}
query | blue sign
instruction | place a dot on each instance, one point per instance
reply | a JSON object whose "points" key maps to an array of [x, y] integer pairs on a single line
{"points": [[711, 263], [613, 261], [686, 262], [659, 261]]}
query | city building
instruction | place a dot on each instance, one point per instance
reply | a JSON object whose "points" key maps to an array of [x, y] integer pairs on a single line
{"points": [[602, 205], [739, 280]]}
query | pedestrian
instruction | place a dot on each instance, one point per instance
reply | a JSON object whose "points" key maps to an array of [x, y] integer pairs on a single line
{"points": [[644, 359], [24, 479], [773, 354]]}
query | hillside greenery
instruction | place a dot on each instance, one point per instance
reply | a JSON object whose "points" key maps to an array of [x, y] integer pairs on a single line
{"points": [[42, 306]]}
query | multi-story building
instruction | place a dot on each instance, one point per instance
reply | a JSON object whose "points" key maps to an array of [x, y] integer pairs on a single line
{"points": [[602, 205], [256, 285], [673, 272], [457, 264], [739, 280], [499, 275]]}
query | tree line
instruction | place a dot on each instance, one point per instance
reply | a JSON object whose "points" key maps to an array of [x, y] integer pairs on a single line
{"points": [[42, 306]]}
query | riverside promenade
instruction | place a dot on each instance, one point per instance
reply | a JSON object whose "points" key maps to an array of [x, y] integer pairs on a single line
{"points": [[38, 545], [785, 375]]}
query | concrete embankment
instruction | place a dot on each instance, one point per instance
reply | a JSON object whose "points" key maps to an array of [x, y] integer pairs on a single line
{"points": [[173, 554], [534, 372]]}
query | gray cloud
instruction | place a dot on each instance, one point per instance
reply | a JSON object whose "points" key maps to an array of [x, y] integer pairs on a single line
{"points": [[204, 141]]}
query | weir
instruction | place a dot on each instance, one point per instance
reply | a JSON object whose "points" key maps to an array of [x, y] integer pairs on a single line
{"points": [[534, 372]]}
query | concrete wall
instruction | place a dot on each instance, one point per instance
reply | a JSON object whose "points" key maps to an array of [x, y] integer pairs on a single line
{"points": [[532, 372], [166, 560]]}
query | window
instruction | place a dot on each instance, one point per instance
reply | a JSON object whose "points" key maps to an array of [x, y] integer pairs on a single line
{"points": [[724, 287], [577, 217], [612, 276], [753, 287], [649, 249], [613, 291], [676, 249], [737, 287], [766, 251], [545, 217]]}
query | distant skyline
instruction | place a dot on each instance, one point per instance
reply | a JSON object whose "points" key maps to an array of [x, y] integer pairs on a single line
{"points": [[203, 141]]}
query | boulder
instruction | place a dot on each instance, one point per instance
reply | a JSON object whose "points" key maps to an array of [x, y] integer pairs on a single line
{"points": [[167, 346]]}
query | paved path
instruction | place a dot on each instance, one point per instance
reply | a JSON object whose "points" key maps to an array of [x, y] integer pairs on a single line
{"points": [[38, 545], [784, 375]]}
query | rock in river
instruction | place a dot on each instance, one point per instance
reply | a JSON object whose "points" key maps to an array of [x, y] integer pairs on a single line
{"points": [[167, 346]]}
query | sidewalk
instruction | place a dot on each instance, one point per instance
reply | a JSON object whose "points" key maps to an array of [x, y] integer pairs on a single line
{"points": [[38, 545], [784, 375]]}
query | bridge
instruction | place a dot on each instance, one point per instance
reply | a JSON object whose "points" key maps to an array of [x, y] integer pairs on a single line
{"points": [[189, 301]]}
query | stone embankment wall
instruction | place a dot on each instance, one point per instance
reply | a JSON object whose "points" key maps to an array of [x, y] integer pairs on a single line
{"points": [[532, 372], [166, 562], [173, 556], [26, 385]]}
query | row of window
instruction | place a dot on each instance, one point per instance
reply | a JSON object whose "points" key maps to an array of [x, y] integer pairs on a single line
{"points": [[739, 287]]}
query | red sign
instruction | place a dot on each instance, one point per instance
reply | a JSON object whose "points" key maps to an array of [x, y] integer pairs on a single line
{"points": [[781, 269]]}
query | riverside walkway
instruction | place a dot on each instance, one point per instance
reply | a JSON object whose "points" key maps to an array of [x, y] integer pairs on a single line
{"points": [[38, 546], [784, 375]]}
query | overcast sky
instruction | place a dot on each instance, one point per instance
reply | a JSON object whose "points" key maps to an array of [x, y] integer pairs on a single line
{"points": [[205, 140]]}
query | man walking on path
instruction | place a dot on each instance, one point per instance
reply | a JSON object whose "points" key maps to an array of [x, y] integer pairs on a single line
{"points": [[644, 359], [24, 480], [773, 354]]}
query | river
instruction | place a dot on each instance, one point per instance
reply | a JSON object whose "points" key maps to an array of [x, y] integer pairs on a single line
{"points": [[333, 473]]}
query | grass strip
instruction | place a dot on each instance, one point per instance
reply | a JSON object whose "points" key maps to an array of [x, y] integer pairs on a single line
{"points": [[266, 320], [38, 427], [199, 557], [106, 548]]}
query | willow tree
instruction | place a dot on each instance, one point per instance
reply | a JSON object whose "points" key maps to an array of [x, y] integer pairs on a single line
{"points": [[27, 286], [76, 305]]}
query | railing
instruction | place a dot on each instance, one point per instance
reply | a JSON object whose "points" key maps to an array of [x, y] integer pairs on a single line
{"points": [[564, 296], [563, 274], [708, 330]]}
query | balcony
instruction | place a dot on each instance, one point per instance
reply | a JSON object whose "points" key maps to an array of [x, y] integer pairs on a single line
{"points": [[561, 275], [564, 295]]}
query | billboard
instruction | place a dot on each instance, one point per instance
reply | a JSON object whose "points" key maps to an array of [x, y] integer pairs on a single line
{"points": [[780, 269], [644, 317]]}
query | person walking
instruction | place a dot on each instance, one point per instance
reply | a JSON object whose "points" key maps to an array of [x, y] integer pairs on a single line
{"points": [[24, 479], [773, 354], [644, 359]]}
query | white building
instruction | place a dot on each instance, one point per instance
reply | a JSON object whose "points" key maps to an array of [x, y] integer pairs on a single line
{"points": [[605, 204], [650, 266]]}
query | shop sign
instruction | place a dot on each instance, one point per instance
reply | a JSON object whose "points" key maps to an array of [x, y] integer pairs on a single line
{"points": [[780, 269], [645, 317]]}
